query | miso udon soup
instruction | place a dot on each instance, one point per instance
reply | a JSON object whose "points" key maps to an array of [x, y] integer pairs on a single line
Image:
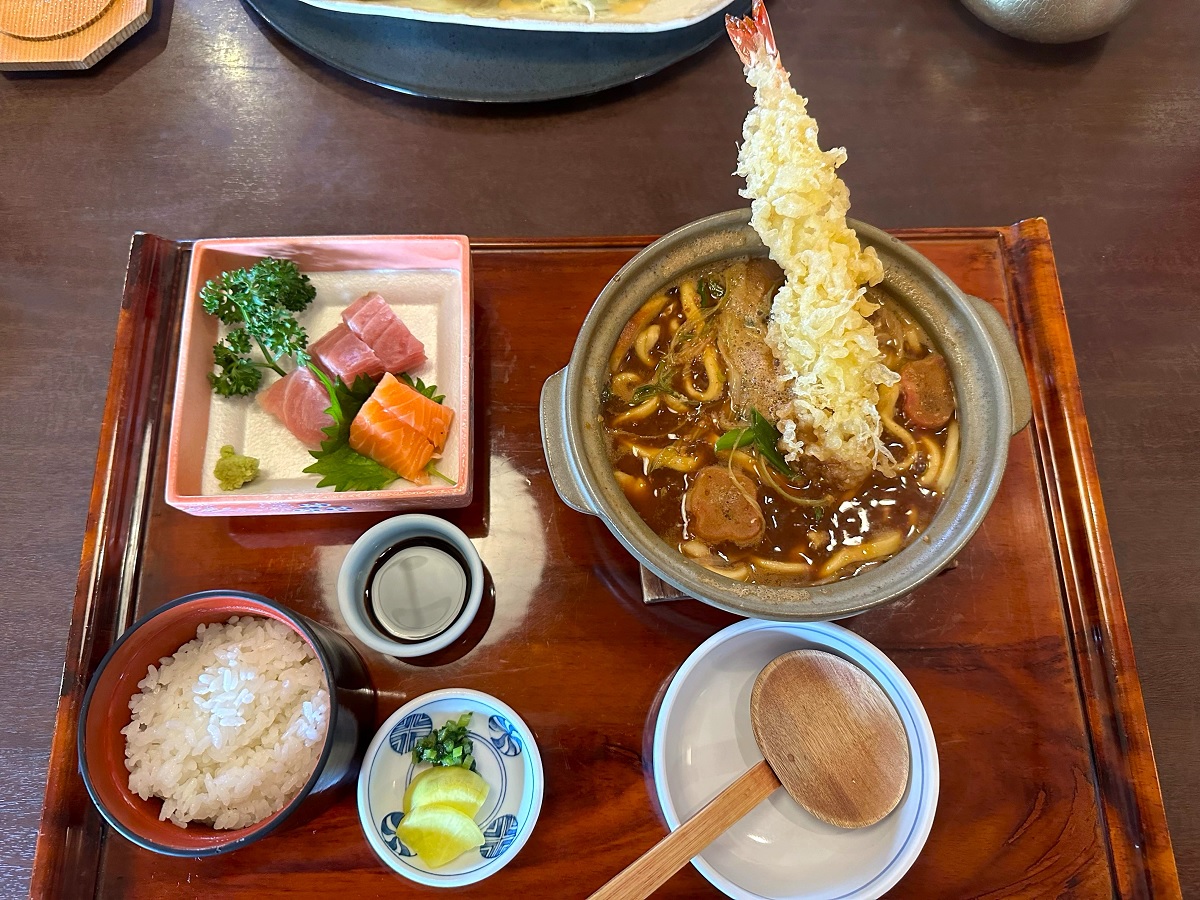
{"points": [[690, 379]]}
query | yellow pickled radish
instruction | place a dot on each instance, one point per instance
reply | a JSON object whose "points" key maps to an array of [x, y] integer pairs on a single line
{"points": [[406, 806], [439, 833], [453, 786]]}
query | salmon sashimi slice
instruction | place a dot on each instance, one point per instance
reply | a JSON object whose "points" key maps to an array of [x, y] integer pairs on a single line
{"points": [[371, 318], [377, 434], [430, 419]]}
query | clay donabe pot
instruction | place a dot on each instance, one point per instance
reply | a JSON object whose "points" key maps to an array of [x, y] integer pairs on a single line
{"points": [[990, 388]]}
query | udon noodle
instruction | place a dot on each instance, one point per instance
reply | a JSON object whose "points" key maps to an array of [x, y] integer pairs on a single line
{"points": [[689, 410]]}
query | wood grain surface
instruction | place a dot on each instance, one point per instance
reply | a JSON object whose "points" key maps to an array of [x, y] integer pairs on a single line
{"points": [[40, 20], [832, 736], [205, 124], [646, 874], [1042, 752]]}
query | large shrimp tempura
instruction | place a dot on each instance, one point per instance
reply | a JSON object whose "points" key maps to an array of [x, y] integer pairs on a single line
{"points": [[818, 328]]}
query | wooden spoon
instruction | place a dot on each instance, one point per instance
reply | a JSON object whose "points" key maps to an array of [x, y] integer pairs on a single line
{"points": [[828, 733]]}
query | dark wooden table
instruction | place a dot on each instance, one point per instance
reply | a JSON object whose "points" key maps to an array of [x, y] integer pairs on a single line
{"points": [[205, 124]]}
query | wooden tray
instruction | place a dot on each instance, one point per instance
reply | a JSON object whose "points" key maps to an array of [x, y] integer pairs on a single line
{"points": [[1021, 654]]}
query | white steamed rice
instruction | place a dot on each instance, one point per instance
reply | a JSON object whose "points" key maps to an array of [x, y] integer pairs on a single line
{"points": [[228, 729]]}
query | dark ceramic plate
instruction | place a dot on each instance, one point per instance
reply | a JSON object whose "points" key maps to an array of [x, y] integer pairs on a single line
{"points": [[483, 65]]}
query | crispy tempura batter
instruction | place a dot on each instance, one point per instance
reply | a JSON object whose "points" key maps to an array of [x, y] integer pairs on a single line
{"points": [[818, 328]]}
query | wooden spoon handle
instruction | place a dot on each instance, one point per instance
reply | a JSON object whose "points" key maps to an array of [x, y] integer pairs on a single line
{"points": [[645, 874]]}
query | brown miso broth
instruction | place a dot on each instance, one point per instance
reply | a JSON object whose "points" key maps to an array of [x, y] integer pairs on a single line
{"points": [[670, 398]]}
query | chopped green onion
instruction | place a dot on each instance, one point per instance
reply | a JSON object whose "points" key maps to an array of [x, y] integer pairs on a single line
{"points": [[663, 375], [644, 393], [763, 435], [767, 438], [448, 746], [734, 440], [711, 291]]}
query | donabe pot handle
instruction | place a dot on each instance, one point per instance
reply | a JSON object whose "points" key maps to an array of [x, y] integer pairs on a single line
{"points": [[1010, 357], [554, 442]]}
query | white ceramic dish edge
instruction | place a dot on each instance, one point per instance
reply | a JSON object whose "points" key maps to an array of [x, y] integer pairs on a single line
{"points": [[656, 16]]}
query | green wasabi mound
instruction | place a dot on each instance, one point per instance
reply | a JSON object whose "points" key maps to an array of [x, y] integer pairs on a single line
{"points": [[234, 470]]}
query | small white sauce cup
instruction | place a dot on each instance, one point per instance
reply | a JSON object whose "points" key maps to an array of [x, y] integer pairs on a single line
{"points": [[359, 569]]}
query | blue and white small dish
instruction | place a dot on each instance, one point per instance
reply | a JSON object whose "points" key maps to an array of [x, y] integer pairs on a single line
{"points": [[507, 758], [703, 740]]}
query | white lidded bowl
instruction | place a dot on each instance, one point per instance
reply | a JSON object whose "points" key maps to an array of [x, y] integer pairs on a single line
{"points": [[703, 740], [507, 758]]}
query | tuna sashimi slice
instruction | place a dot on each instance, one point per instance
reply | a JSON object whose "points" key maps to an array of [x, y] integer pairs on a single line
{"points": [[432, 420], [368, 317], [299, 401], [384, 438], [341, 352], [373, 321]]}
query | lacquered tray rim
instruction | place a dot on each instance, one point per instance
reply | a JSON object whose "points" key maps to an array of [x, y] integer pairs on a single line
{"points": [[1138, 843]]}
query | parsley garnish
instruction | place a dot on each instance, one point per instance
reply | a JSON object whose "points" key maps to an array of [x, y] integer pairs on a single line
{"points": [[257, 304]]}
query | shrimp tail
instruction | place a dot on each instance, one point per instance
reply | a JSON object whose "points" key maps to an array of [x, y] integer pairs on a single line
{"points": [[752, 35]]}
